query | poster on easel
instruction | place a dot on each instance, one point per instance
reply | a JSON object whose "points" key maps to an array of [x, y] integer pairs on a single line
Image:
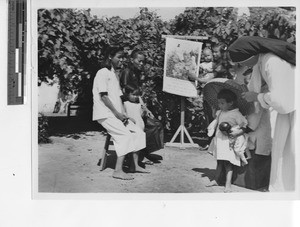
{"points": [[182, 57]]}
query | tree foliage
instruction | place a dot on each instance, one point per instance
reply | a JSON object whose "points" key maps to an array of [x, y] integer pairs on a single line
{"points": [[71, 43], [226, 25], [43, 131]]}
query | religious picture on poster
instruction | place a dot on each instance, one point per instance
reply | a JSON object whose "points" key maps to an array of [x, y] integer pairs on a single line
{"points": [[182, 57]]}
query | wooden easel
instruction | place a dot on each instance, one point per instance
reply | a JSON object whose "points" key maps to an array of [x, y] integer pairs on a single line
{"points": [[182, 129]]}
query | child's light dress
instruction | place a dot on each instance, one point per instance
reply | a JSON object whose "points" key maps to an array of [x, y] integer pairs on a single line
{"points": [[206, 66], [220, 146]]}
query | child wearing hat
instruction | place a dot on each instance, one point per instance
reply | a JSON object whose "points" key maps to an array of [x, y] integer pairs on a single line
{"points": [[228, 151]]}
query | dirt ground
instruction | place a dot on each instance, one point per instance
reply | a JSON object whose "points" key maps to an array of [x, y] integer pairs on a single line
{"points": [[69, 165]]}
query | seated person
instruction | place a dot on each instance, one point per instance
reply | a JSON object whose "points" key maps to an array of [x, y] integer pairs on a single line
{"points": [[108, 110], [130, 81]]}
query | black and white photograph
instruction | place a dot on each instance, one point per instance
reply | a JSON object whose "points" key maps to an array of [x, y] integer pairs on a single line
{"points": [[104, 119], [117, 109]]}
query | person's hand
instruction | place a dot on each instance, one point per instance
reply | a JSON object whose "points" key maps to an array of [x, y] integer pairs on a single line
{"points": [[235, 132], [149, 114], [191, 76], [121, 116], [250, 96], [225, 133], [144, 110]]}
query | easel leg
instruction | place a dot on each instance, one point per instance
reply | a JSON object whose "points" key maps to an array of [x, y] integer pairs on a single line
{"points": [[182, 131], [176, 134]]}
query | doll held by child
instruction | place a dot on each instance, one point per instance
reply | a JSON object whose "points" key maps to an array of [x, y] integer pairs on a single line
{"points": [[237, 144]]}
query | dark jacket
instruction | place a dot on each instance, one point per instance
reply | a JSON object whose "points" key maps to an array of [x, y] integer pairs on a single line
{"points": [[130, 83]]}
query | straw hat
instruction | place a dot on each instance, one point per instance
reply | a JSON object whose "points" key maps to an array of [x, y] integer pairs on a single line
{"points": [[214, 86]]}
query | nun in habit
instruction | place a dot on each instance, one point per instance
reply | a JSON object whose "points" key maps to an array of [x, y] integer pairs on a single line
{"points": [[273, 63]]}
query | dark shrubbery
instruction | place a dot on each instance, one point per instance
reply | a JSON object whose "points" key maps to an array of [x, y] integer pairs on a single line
{"points": [[71, 43], [43, 134]]}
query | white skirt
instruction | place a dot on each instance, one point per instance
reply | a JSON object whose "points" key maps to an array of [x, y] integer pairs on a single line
{"points": [[129, 138]]}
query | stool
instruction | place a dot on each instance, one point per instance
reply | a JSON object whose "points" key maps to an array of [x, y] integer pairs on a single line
{"points": [[102, 161]]}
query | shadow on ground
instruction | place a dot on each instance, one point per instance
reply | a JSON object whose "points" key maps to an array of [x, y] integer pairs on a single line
{"points": [[111, 159], [210, 173]]}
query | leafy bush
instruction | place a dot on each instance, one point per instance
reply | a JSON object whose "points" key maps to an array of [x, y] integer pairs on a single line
{"points": [[71, 43], [224, 24], [43, 134]]}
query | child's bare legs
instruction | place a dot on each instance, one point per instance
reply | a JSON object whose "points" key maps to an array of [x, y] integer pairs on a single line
{"points": [[229, 171], [119, 173], [217, 175], [135, 167]]}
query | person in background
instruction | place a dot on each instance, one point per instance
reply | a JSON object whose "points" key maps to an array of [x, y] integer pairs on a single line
{"points": [[108, 110], [260, 139], [222, 65], [273, 63], [259, 127], [130, 80], [206, 73], [206, 67], [217, 65]]}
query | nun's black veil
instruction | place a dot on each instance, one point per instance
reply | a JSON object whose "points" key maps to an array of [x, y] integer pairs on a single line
{"points": [[248, 46]]}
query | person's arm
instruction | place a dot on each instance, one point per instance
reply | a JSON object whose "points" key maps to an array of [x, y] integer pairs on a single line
{"points": [[200, 79], [250, 96], [146, 111], [243, 126], [101, 86], [253, 122], [219, 69], [280, 78], [108, 103], [192, 76], [205, 77], [254, 119], [236, 132], [211, 128]]}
